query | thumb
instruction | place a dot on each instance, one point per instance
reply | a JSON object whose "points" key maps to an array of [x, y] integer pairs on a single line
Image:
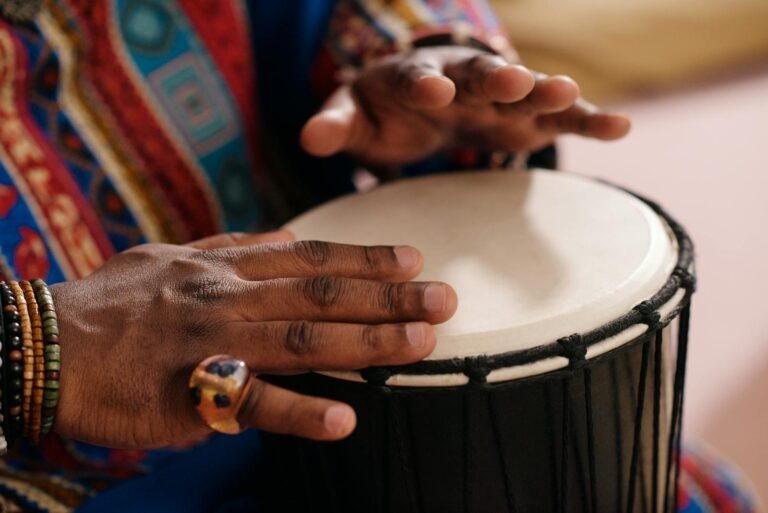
{"points": [[233, 239], [329, 131]]}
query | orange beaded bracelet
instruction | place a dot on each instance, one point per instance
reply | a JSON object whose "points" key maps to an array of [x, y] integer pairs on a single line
{"points": [[28, 353], [35, 417]]}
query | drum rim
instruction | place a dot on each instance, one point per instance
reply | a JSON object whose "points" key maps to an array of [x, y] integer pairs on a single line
{"points": [[573, 347]]}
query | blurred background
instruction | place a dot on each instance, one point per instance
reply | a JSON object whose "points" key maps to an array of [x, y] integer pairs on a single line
{"points": [[693, 75]]}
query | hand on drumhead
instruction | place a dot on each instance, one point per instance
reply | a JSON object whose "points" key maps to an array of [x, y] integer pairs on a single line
{"points": [[411, 105], [133, 332]]}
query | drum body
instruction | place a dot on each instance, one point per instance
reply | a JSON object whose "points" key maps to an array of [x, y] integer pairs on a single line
{"points": [[575, 405]]}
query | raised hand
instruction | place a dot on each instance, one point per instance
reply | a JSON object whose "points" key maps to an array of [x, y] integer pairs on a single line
{"points": [[411, 105]]}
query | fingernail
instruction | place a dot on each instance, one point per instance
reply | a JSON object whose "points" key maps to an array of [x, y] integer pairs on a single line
{"points": [[434, 298], [407, 256], [414, 331], [336, 419]]}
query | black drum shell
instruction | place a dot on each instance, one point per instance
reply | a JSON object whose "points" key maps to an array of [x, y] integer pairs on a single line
{"points": [[523, 446]]}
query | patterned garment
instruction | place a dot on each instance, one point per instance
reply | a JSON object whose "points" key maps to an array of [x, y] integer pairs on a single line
{"points": [[127, 121], [709, 486]]}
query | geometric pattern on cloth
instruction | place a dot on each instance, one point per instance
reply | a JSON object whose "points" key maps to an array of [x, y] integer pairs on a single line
{"points": [[119, 222], [162, 52]]}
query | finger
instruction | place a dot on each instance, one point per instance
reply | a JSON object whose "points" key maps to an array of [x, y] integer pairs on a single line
{"points": [[586, 120], [331, 299], [415, 83], [303, 346], [487, 78], [234, 239], [330, 130], [549, 94], [313, 258], [278, 410]]}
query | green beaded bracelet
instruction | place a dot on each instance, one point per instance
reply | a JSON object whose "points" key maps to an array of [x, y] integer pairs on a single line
{"points": [[52, 353]]}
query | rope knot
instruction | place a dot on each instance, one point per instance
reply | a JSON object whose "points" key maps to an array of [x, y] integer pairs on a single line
{"points": [[649, 314], [477, 368], [573, 349], [376, 376], [687, 279]]}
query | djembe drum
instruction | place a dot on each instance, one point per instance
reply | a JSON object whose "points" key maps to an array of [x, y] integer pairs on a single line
{"points": [[558, 384]]}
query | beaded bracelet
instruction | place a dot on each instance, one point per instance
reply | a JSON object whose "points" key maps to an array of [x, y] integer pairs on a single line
{"points": [[3, 377], [14, 367], [28, 353], [52, 353], [38, 384]]}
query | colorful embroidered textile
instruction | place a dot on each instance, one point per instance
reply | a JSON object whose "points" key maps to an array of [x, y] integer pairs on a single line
{"points": [[709, 486], [126, 121]]}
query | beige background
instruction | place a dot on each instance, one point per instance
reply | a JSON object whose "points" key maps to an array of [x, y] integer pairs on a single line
{"points": [[618, 46]]}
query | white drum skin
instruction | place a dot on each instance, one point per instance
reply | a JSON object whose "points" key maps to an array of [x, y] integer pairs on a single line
{"points": [[534, 256]]}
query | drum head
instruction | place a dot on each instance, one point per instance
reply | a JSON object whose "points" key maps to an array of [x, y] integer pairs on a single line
{"points": [[534, 256]]}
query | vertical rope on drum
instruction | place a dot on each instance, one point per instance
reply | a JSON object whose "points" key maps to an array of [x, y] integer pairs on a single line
{"points": [[467, 451], [573, 348], [673, 452], [685, 317], [375, 424], [386, 397], [477, 370], [618, 430], [548, 388], [379, 425], [300, 450], [405, 468], [566, 445], [498, 440], [638, 429], [590, 439], [421, 505], [332, 489], [656, 420]]}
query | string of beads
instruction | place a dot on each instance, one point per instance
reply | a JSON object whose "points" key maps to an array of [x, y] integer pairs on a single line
{"points": [[29, 361]]}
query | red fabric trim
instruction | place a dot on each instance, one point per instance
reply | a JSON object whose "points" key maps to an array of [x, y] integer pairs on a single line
{"points": [[68, 214], [703, 477]]}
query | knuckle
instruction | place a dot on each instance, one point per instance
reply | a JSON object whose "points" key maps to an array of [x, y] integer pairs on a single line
{"points": [[392, 297], [312, 253], [300, 338], [323, 291], [372, 339], [214, 256], [205, 289], [370, 259], [478, 62], [379, 257], [148, 249], [254, 400], [200, 328], [186, 265], [407, 72]]}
